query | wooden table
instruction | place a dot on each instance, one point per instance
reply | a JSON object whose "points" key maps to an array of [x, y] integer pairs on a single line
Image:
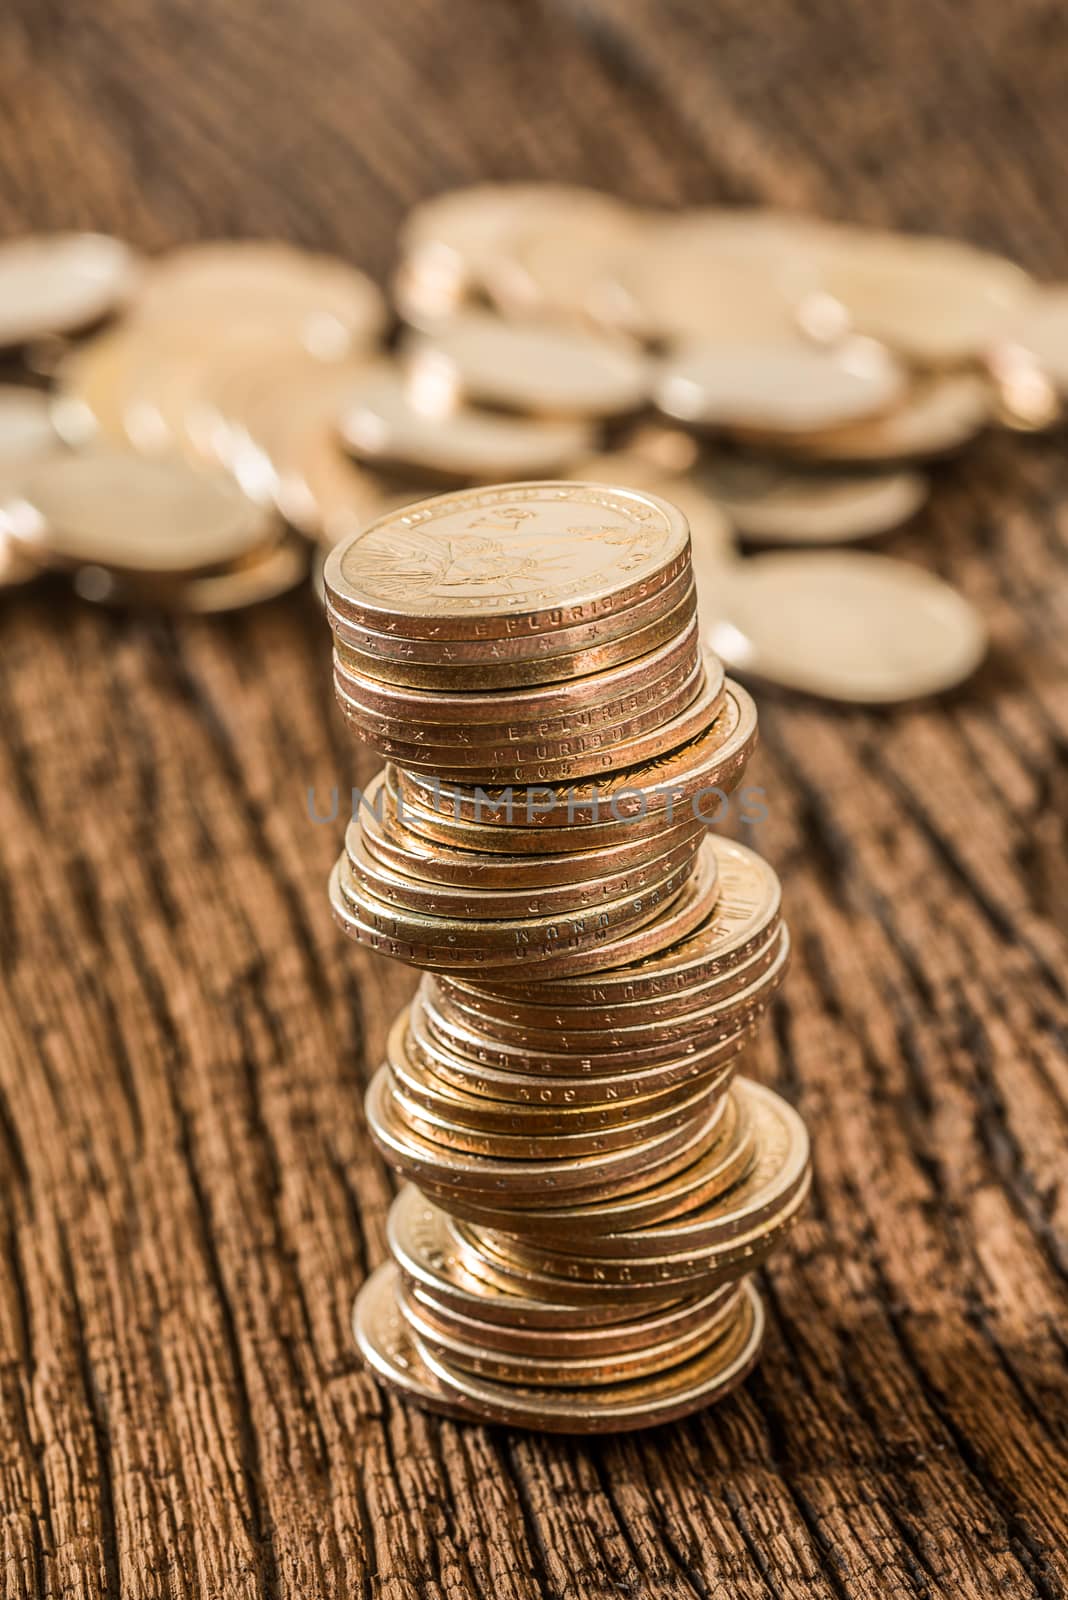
{"points": [[189, 1196]]}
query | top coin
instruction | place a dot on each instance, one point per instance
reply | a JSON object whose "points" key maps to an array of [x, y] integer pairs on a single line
{"points": [[512, 558], [58, 283]]}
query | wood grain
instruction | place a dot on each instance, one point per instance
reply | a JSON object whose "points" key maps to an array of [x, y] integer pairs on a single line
{"points": [[188, 1195]]}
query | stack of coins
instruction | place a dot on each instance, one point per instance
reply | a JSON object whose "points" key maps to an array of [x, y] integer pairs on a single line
{"points": [[591, 1184]]}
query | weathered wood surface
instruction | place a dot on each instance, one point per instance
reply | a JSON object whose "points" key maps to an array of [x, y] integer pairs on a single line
{"points": [[188, 1196]]}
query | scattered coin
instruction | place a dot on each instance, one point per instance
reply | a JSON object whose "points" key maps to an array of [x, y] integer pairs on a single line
{"points": [[130, 514], [60, 282], [939, 302], [939, 414], [248, 582], [328, 306], [849, 626], [777, 506], [531, 367], [781, 387], [721, 274]]}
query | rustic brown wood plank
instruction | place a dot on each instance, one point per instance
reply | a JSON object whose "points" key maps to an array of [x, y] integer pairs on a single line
{"points": [[188, 1195]]}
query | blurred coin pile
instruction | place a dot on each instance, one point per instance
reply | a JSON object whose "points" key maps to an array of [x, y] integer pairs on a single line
{"points": [[171, 461], [592, 1186], [784, 379]]}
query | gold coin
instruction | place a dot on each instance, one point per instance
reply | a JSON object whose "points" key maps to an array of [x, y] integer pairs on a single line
{"points": [[513, 559], [438, 1185], [395, 420], [514, 674], [541, 1079], [718, 1016], [706, 1239], [26, 429], [938, 415], [497, 1016], [541, 369], [532, 765], [432, 1078], [846, 626], [639, 467], [327, 305], [462, 753], [615, 1408], [570, 1343], [386, 1345], [437, 822], [460, 1121], [566, 1148], [569, 1372], [132, 515], [738, 920], [536, 1079], [505, 1260], [725, 1156], [396, 886], [579, 943], [161, 387], [780, 507], [659, 599], [195, 389], [670, 785], [425, 1251], [575, 876], [391, 1350], [413, 1148], [940, 302], [631, 686], [60, 282], [779, 387], [503, 1069], [511, 936]]}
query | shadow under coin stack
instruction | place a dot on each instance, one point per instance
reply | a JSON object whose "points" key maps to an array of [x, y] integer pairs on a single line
{"points": [[591, 1184]]}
